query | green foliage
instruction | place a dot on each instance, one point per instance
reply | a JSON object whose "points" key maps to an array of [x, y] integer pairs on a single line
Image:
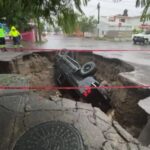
{"points": [[136, 31], [61, 12], [14, 14], [143, 3], [56, 29], [87, 24], [146, 4], [67, 20]]}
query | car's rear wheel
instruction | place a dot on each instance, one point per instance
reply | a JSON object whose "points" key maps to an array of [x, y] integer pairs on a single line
{"points": [[134, 42]]}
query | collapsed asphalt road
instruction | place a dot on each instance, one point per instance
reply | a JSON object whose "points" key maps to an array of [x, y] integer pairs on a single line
{"points": [[30, 122], [26, 109], [68, 72]]}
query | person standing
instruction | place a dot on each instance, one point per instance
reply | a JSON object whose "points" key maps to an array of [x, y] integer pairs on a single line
{"points": [[15, 34], [2, 38]]}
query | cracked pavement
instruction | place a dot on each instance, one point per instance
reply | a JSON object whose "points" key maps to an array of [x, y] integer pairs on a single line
{"points": [[21, 110]]}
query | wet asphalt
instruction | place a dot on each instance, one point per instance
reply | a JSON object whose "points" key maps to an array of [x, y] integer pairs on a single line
{"points": [[137, 55]]}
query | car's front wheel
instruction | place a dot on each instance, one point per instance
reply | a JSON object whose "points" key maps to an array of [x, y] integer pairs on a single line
{"points": [[134, 42]]}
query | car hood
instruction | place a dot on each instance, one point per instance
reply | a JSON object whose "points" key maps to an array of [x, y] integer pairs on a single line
{"points": [[140, 35]]}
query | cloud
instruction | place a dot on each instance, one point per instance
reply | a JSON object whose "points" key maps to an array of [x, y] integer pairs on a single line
{"points": [[109, 8]]}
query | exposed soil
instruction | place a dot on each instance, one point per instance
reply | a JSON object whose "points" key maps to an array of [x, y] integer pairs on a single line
{"points": [[39, 68], [124, 101]]}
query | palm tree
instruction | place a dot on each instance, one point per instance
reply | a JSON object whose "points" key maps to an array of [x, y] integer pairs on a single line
{"points": [[142, 3], [146, 5]]}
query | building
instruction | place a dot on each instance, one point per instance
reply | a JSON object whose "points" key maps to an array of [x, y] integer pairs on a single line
{"points": [[119, 26]]}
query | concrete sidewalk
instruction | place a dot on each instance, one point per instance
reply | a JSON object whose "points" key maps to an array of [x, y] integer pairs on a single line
{"points": [[11, 55], [28, 121]]}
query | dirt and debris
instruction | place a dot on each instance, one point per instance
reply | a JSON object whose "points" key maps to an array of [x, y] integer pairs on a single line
{"points": [[38, 68], [26, 110], [124, 101]]}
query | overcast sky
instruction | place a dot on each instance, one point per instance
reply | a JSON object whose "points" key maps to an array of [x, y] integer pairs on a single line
{"points": [[109, 8]]}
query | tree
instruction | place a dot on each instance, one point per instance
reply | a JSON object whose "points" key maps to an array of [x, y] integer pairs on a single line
{"points": [[125, 12], [56, 30], [146, 5], [87, 24], [60, 12], [14, 14], [143, 3]]}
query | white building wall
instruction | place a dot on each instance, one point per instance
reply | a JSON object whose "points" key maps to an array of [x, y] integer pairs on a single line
{"points": [[105, 26], [135, 22], [129, 24]]}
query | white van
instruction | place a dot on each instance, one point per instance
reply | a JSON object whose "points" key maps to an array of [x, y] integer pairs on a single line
{"points": [[143, 37]]}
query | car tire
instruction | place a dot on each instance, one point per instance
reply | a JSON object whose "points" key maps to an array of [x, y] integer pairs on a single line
{"points": [[134, 42], [146, 41], [88, 68]]}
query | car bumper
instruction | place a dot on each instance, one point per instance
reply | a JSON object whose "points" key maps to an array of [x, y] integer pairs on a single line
{"points": [[138, 39]]}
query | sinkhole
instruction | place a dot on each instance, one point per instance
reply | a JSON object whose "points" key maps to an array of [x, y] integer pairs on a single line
{"points": [[40, 68]]}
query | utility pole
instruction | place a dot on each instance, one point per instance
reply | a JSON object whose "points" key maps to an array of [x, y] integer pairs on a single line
{"points": [[98, 8]]}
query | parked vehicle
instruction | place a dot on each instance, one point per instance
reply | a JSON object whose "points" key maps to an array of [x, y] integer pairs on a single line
{"points": [[68, 72], [143, 37]]}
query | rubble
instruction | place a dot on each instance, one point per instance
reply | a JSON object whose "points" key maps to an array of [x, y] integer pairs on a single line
{"points": [[22, 109], [20, 112]]}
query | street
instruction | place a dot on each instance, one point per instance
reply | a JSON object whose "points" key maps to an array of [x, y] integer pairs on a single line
{"points": [[27, 116], [75, 75], [60, 41], [139, 56]]}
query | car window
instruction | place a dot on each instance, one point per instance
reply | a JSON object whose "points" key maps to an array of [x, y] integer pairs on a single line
{"points": [[147, 32]]}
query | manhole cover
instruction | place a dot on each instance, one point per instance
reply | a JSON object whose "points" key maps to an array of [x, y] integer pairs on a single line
{"points": [[53, 135]]}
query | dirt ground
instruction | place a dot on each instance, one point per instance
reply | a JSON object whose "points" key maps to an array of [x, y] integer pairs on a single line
{"points": [[39, 69]]}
